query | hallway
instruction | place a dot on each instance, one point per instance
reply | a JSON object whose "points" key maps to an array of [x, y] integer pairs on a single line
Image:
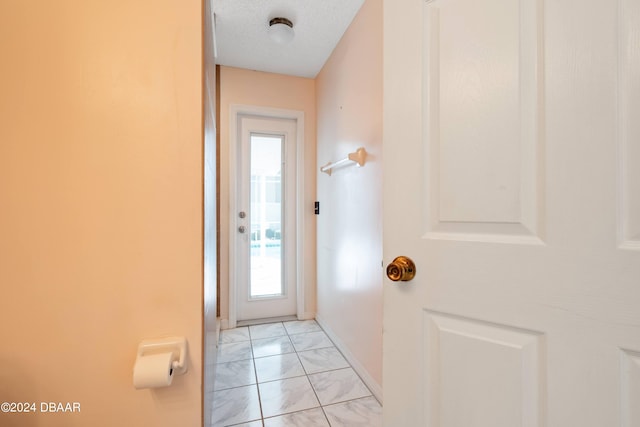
{"points": [[288, 374]]}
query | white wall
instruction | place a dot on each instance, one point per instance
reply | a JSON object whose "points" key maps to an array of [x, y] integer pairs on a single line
{"points": [[210, 321], [349, 105]]}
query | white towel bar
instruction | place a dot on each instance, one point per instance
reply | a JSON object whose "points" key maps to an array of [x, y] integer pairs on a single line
{"points": [[357, 156]]}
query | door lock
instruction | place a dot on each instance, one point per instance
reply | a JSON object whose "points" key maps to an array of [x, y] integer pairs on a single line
{"points": [[401, 269]]}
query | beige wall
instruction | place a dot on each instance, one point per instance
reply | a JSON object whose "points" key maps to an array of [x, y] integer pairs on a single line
{"points": [[349, 100], [100, 206], [253, 88]]}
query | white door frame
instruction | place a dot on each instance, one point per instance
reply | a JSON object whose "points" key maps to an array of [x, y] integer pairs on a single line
{"points": [[235, 111]]}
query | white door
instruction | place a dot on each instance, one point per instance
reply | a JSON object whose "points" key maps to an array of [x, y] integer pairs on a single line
{"points": [[266, 218], [512, 179]]}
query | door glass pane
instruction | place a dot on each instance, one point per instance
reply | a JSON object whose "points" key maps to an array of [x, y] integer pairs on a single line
{"points": [[266, 217]]}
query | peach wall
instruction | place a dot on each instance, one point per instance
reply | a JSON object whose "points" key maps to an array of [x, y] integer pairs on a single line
{"points": [[254, 88], [101, 171], [349, 100]]}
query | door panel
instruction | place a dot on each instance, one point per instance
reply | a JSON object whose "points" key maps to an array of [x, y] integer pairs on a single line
{"points": [[493, 371], [483, 106], [629, 108], [630, 374], [511, 130]]}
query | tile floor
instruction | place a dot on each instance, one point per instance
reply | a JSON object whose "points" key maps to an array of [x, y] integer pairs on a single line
{"points": [[288, 374]]}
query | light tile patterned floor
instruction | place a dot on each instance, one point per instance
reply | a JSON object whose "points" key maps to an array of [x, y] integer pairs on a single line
{"points": [[288, 375]]}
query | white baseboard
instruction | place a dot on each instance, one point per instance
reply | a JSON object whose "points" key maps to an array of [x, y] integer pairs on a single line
{"points": [[240, 323], [309, 315], [224, 323], [218, 328], [373, 385]]}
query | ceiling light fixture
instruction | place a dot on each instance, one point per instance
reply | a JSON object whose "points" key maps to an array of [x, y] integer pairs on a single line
{"points": [[281, 30]]}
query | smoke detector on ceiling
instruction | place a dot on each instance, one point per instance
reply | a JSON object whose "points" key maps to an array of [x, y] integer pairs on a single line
{"points": [[281, 30]]}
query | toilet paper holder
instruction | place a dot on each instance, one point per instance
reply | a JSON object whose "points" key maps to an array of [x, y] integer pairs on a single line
{"points": [[176, 345]]}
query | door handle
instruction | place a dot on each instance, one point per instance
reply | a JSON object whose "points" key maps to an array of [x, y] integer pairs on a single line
{"points": [[242, 229], [401, 269]]}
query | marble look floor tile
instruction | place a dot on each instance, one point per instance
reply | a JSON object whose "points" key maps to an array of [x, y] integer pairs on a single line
{"points": [[286, 396], [233, 351], [310, 341], [301, 326], [365, 412], [278, 367], [234, 335], [338, 386], [235, 406], [272, 346], [251, 424], [309, 418], [322, 359], [235, 374], [267, 331]]}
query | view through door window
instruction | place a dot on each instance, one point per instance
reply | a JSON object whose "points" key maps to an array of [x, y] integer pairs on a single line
{"points": [[266, 217]]}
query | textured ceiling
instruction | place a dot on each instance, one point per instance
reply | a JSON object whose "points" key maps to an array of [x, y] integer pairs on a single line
{"points": [[242, 40]]}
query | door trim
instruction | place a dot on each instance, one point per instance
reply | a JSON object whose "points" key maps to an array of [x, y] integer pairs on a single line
{"points": [[235, 111]]}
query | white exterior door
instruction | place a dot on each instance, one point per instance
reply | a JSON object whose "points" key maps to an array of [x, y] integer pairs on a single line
{"points": [[265, 223], [512, 179]]}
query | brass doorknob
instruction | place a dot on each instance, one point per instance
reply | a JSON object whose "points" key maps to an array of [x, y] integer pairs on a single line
{"points": [[401, 269]]}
